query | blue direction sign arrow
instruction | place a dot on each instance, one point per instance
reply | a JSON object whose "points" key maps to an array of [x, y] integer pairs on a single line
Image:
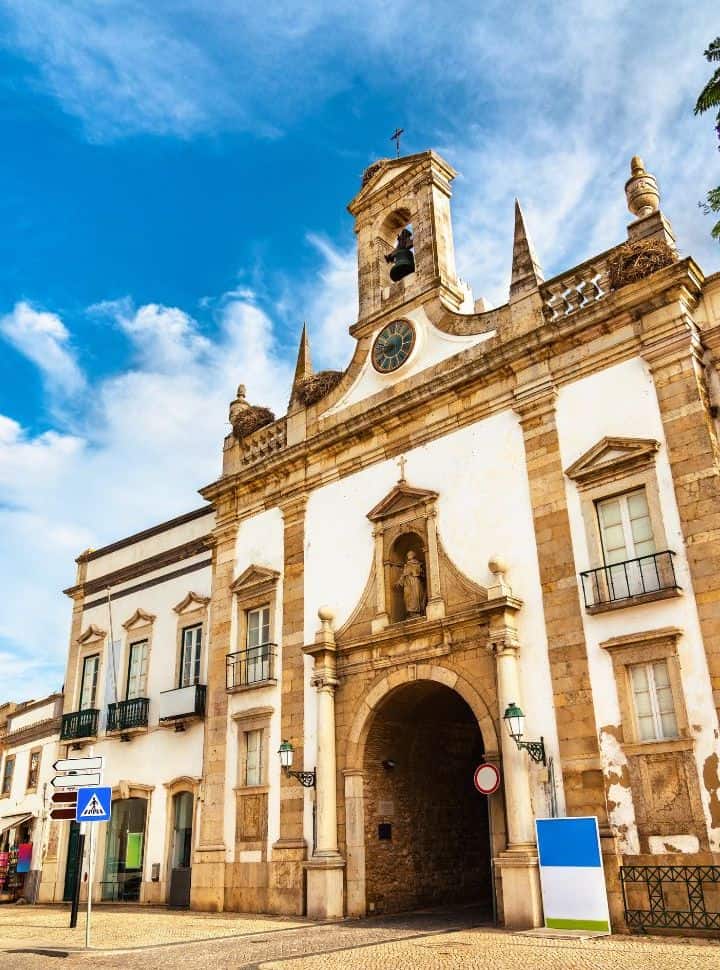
{"points": [[93, 804]]}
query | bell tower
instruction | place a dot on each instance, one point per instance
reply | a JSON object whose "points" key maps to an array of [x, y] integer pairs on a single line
{"points": [[404, 231]]}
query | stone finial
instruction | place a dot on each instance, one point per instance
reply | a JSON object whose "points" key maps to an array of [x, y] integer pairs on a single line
{"points": [[498, 567], [326, 616], [238, 405], [526, 272], [641, 190], [303, 368], [246, 418]]}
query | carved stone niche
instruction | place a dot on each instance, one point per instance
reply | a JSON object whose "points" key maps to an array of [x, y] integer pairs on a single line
{"points": [[405, 527]]}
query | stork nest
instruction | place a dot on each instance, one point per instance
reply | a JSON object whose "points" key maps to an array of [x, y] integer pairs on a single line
{"points": [[634, 261], [312, 389], [250, 420], [372, 169]]}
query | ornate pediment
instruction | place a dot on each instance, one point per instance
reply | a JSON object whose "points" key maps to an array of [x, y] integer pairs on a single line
{"points": [[401, 499], [139, 618], [612, 458], [193, 601], [92, 634], [253, 578]]}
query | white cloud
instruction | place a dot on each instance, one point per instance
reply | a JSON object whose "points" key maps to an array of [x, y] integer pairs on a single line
{"points": [[332, 305], [61, 492], [43, 338]]}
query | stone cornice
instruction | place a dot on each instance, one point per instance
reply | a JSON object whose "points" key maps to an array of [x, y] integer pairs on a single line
{"points": [[397, 633], [33, 732], [123, 575], [607, 333]]}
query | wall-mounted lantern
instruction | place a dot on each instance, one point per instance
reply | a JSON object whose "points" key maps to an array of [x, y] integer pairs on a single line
{"points": [[515, 721], [307, 779]]}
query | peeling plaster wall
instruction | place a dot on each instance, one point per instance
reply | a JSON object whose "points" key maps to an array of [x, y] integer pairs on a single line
{"points": [[621, 401]]}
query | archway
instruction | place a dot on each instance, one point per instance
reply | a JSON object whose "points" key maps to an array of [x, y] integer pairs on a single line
{"points": [[426, 829]]}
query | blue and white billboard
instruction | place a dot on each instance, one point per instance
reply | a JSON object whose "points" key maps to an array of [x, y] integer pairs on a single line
{"points": [[571, 874]]}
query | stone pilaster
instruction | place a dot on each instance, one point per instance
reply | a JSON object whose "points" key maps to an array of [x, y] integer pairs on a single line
{"points": [[286, 877], [208, 872], [518, 864], [572, 692], [325, 869], [694, 454]]}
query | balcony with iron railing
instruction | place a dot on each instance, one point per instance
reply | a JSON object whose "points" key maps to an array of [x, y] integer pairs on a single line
{"points": [[129, 715], [251, 667], [181, 704], [632, 581], [79, 724]]}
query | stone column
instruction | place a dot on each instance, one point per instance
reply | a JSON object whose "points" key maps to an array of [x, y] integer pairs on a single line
{"points": [[694, 454], [289, 852], [355, 840], [325, 869], [585, 785], [207, 890], [518, 864], [567, 651]]}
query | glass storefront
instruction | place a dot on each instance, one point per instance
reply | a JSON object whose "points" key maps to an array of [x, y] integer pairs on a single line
{"points": [[124, 851]]}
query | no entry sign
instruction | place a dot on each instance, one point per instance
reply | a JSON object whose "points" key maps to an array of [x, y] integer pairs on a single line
{"points": [[487, 779]]}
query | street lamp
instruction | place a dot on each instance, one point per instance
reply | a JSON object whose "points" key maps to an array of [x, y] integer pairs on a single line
{"points": [[515, 721], [286, 751]]}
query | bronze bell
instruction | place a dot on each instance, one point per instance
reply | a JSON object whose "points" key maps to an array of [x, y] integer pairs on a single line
{"points": [[402, 257], [403, 264]]}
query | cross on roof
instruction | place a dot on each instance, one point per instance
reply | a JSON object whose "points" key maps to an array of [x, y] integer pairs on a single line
{"points": [[396, 138]]}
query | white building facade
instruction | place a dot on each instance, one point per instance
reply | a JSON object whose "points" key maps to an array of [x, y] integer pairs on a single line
{"points": [[485, 509]]}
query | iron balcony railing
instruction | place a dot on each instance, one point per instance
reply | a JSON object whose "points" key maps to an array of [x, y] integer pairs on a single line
{"points": [[252, 666], [128, 714], [79, 724], [182, 702], [626, 580]]}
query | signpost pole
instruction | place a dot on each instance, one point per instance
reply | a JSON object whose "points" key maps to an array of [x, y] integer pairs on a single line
{"points": [[78, 879], [91, 874]]}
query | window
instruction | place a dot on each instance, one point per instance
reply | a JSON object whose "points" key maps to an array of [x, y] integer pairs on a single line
{"points": [[137, 670], [8, 774], [253, 757], [628, 544], [653, 701], [190, 656], [258, 650], [33, 769], [88, 684]]}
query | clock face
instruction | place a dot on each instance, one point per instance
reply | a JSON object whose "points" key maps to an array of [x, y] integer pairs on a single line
{"points": [[393, 345]]}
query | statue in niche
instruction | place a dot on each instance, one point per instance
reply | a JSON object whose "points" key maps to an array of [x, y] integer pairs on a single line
{"points": [[412, 583]]}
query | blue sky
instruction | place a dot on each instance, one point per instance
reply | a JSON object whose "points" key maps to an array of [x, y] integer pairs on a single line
{"points": [[173, 183]]}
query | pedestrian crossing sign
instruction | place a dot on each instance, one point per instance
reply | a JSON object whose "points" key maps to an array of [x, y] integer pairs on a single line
{"points": [[93, 804]]}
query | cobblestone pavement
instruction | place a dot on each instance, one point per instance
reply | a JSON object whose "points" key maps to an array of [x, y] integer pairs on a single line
{"points": [[434, 940], [121, 927]]}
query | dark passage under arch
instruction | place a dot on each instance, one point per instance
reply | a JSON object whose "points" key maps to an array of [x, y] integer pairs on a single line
{"points": [[426, 827]]}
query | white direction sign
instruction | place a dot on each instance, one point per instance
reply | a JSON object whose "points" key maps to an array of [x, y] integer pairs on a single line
{"points": [[79, 764], [87, 780]]}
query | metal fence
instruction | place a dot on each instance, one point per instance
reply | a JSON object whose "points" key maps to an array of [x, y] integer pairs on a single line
{"points": [[676, 897]]}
